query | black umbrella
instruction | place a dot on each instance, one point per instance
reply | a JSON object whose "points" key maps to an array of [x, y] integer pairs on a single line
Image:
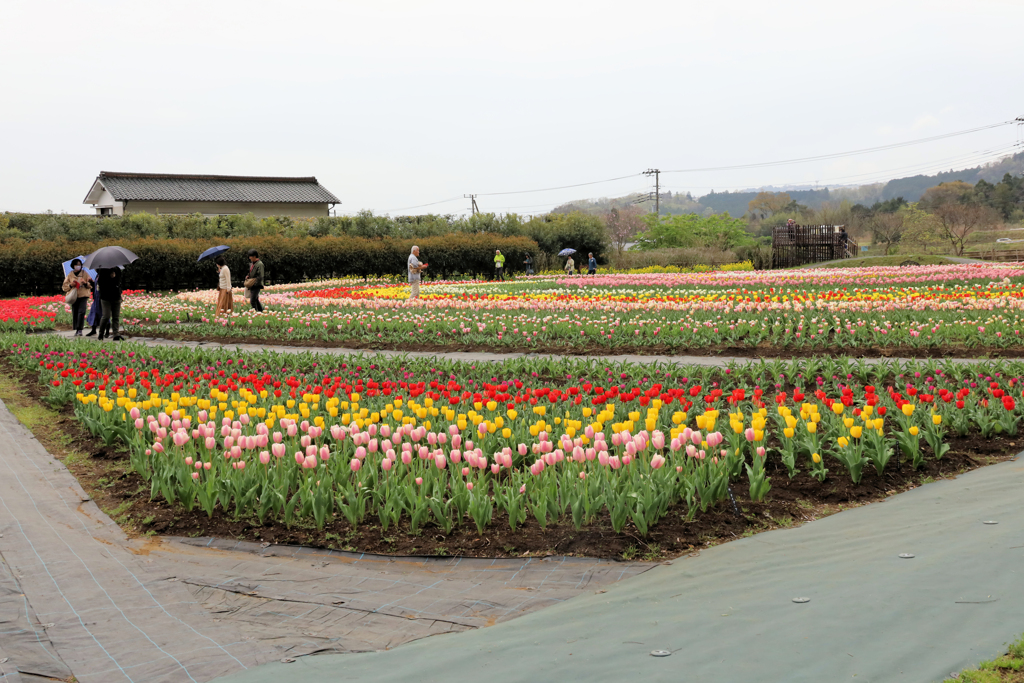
{"points": [[109, 257]]}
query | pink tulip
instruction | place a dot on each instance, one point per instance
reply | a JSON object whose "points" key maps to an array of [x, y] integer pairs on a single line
{"points": [[390, 455], [469, 485], [305, 441], [761, 451], [714, 439], [602, 457], [614, 462], [241, 464], [203, 415], [164, 419], [292, 430], [583, 475], [360, 452], [440, 462], [406, 457], [386, 464], [419, 481], [264, 457], [195, 475], [278, 450], [385, 431], [138, 423], [748, 434], [135, 413], [188, 460], [442, 438], [261, 428], [304, 426], [456, 455], [589, 431], [657, 461], [424, 452], [691, 450], [616, 440], [495, 468], [626, 459], [207, 465], [244, 418], [658, 440], [236, 452], [325, 453], [372, 429], [373, 445], [456, 440], [465, 471], [355, 464], [299, 457], [261, 441], [522, 449], [278, 437], [158, 447]]}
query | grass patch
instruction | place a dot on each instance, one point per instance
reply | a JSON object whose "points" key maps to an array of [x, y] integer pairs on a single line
{"points": [[1006, 669]]}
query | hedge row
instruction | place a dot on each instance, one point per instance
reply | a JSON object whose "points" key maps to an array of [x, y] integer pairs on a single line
{"points": [[35, 267]]}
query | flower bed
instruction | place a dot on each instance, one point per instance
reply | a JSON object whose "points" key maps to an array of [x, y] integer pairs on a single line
{"points": [[410, 445]]}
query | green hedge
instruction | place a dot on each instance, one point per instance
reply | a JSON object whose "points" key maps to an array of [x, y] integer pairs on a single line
{"points": [[35, 267]]}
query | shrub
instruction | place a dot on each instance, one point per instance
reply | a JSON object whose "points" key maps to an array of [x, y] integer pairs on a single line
{"points": [[34, 267]]}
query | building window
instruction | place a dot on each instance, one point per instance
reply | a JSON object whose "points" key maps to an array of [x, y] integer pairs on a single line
{"points": [[106, 211]]}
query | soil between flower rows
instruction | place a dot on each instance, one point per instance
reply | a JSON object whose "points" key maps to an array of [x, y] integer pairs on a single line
{"points": [[597, 350], [106, 475]]}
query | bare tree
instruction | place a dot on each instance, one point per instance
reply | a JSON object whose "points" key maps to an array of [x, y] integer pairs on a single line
{"points": [[887, 228], [766, 204], [623, 225], [959, 221]]}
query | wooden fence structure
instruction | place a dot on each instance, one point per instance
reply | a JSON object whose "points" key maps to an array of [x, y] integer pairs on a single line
{"points": [[795, 245]]}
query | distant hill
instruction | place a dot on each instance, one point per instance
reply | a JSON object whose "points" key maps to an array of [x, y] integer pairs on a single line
{"points": [[910, 188]]}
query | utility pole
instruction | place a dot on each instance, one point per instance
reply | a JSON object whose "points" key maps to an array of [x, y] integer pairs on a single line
{"points": [[475, 209], [657, 191]]}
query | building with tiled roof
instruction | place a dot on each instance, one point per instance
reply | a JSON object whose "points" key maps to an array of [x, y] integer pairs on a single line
{"points": [[115, 194]]}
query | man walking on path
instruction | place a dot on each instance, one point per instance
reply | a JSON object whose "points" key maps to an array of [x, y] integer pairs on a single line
{"points": [[499, 265], [415, 268], [254, 280], [592, 265]]}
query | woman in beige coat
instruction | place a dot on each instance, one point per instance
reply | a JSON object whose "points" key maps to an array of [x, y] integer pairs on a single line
{"points": [[225, 302], [78, 280]]}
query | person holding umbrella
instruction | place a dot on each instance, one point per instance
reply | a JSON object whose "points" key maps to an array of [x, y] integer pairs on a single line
{"points": [[225, 302], [109, 281], [79, 281], [107, 261]]}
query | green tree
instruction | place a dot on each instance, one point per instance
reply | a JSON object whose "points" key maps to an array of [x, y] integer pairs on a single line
{"points": [[717, 231]]}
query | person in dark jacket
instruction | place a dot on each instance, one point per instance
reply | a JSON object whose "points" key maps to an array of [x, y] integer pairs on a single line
{"points": [[95, 311], [254, 280], [109, 281]]}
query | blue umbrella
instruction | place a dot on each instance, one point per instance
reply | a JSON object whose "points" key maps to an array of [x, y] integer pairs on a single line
{"points": [[567, 252], [212, 252], [67, 267]]}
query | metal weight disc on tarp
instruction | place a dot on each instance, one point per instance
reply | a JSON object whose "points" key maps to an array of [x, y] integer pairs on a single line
{"points": [[801, 600], [990, 522], [906, 556], [660, 653]]}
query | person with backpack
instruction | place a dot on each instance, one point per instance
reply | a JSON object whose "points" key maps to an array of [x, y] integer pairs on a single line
{"points": [[254, 280]]}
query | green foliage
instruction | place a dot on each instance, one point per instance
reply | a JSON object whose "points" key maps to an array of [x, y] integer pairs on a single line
{"points": [[66, 228], [720, 231], [576, 230], [35, 266]]}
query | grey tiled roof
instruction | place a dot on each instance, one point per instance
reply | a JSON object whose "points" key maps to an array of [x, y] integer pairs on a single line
{"points": [[212, 188]]}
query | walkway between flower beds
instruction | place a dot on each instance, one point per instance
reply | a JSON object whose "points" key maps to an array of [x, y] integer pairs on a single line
{"points": [[79, 598], [467, 356], [729, 615]]}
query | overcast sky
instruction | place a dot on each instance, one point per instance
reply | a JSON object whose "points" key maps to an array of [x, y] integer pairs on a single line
{"points": [[398, 104]]}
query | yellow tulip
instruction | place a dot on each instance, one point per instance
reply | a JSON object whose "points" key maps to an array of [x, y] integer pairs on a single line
{"points": [[788, 431], [843, 442], [812, 427], [837, 408], [936, 419], [816, 458], [914, 430], [908, 409], [855, 432]]}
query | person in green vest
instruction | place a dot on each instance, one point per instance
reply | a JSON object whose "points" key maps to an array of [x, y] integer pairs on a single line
{"points": [[499, 265]]}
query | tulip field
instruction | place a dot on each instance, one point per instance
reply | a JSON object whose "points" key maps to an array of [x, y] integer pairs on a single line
{"points": [[404, 445], [922, 311]]}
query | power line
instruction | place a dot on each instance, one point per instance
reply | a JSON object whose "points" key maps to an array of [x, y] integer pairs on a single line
{"points": [[837, 155]]}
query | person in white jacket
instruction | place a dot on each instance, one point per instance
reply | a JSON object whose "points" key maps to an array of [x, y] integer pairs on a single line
{"points": [[225, 302]]}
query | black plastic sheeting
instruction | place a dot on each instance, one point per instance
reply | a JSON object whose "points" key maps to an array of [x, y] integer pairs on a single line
{"points": [[79, 598], [729, 614]]}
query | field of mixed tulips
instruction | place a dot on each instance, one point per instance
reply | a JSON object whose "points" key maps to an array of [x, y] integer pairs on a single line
{"points": [[926, 310], [405, 444]]}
